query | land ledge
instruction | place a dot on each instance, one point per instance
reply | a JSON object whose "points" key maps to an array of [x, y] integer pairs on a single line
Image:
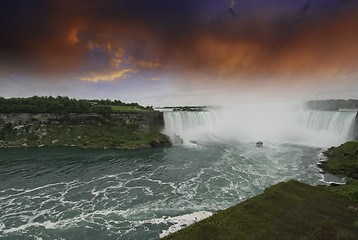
{"points": [[130, 130], [287, 210], [342, 160]]}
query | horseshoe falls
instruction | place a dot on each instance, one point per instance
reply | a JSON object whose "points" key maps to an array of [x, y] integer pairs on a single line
{"points": [[266, 122], [72, 193]]}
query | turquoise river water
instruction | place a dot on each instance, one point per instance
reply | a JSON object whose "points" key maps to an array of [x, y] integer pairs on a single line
{"points": [[70, 193], [73, 193]]}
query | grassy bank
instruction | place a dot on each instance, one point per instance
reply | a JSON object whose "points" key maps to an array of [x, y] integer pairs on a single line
{"points": [[350, 189], [342, 160], [289, 210], [61, 121], [128, 109], [88, 136]]}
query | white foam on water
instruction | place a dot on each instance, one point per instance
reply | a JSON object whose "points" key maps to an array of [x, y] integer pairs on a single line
{"points": [[182, 221], [146, 198]]}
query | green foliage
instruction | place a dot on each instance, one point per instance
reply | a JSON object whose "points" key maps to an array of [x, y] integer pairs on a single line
{"points": [[119, 103], [5, 130], [88, 136], [125, 109], [332, 104], [342, 160], [63, 105], [289, 210], [350, 190]]}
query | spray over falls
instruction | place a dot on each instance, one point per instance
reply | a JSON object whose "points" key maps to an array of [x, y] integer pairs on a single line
{"points": [[284, 123]]}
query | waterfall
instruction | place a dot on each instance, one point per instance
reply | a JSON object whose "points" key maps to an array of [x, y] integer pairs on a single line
{"points": [[266, 122], [188, 126], [341, 123]]}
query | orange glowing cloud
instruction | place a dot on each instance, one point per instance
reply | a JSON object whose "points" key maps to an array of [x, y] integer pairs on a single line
{"points": [[317, 49], [117, 75], [231, 42], [149, 64], [72, 36]]}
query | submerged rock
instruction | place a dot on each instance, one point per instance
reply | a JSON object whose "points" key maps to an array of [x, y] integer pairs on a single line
{"points": [[177, 140]]}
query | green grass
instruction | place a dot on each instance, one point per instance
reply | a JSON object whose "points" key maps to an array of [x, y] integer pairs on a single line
{"points": [[125, 109], [342, 160], [349, 190], [289, 210]]}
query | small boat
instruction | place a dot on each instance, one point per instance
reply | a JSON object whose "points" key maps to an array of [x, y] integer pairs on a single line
{"points": [[259, 144]]}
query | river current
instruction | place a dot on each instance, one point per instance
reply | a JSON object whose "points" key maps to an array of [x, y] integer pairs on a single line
{"points": [[73, 193]]}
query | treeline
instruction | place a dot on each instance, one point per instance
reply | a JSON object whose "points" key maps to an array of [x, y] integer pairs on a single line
{"points": [[332, 104], [62, 105]]}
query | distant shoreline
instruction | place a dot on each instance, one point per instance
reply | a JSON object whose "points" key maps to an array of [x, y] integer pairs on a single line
{"points": [[89, 131]]}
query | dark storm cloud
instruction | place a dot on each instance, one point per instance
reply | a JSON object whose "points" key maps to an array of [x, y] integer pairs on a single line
{"points": [[302, 13], [54, 36], [107, 40]]}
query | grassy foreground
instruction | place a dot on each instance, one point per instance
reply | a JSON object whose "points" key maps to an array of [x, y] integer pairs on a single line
{"points": [[289, 210], [292, 210]]}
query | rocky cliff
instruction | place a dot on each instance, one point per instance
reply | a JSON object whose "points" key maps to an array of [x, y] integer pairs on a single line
{"points": [[355, 128], [143, 120], [120, 130]]}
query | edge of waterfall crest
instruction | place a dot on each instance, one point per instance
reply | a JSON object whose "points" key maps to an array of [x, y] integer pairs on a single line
{"points": [[265, 122]]}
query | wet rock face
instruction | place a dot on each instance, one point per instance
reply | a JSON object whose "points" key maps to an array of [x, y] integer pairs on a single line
{"points": [[143, 121], [355, 128], [50, 118], [123, 131]]}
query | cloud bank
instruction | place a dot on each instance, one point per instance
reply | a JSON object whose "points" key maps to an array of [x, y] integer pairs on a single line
{"points": [[202, 42]]}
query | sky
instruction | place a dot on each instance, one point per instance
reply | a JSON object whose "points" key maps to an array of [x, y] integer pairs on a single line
{"points": [[180, 52]]}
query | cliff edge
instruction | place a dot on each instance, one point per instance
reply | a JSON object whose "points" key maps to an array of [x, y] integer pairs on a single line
{"points": [[88, 130], [288, 210]]}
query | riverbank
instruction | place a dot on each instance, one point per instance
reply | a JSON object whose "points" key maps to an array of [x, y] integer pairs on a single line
{"points": [[292, 210], [120, 131], [289, 210], [343, 161]]}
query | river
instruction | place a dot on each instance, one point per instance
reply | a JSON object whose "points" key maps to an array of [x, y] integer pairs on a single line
{"points": [[73, 193]]}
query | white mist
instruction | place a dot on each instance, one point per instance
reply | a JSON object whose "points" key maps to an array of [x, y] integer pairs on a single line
{"points": [[284, 123]]}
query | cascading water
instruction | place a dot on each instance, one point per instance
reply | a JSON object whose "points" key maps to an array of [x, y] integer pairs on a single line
{"points": [[328, 120], [265, 122], [186, 126], [330, 127]]}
